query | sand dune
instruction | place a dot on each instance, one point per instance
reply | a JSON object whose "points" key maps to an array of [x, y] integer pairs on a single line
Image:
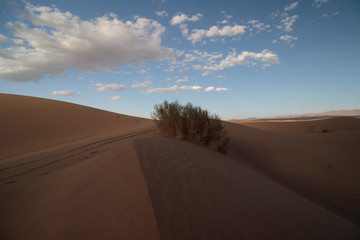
{"points": [[336, 124], [73, 172], [28, 124], [200, 194], [323, 167]]}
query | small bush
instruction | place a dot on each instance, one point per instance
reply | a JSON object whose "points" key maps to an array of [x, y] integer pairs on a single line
{"points": [[191, 122]]}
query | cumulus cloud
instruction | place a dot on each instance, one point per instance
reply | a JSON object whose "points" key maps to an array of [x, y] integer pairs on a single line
{"points": [[214, 31], [161, 13], [319, 3], [213, 89], [288, 22], [256, 25], [59, 41], [197, 35], [174, 88], [181, 18], [116, 97], [244, 58], [112, 87], [64, 93], [288, 38], [291, 6], [141, 85]]}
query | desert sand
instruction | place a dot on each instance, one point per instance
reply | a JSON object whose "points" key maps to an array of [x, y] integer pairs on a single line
{"points": [[73, 172]]}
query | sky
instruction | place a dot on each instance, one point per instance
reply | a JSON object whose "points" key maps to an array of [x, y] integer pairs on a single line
{"points": [[237, 59]]}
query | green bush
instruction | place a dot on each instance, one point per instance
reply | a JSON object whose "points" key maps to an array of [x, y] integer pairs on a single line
{"points": [[191, 122]]}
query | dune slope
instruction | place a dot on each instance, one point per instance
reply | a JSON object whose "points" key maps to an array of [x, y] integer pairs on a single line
{"points": [[89, 188], [28, 124], [200, 194], [323, 167]]}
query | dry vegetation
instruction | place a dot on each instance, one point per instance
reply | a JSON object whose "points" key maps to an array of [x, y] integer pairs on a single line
{"points": [[191, 122]]}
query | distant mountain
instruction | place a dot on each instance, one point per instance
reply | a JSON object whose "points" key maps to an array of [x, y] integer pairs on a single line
{"points": [[333, 113]]}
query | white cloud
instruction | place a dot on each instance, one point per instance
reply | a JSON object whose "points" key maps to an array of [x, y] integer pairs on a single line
{"points": [[141, 85], [184, 69], [213, 89], [228, 31], [258, 26], [214, 31], [288, 22], [291, 6], [3, 38], [64, 93], [113, 87], [220, 76], [59, 41], [180, 18], [174, 88], [244, 58], [184, 29], [288, 38], [161, 13], [318, 3], [197, 35], [330, 15], [185, 79], [274, 41], [116, 97], [142, 71], [274, 15], [205, 73]]}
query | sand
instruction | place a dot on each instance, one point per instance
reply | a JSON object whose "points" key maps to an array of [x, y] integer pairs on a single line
{"points": [[335, 124], [28, 124], [88, 187], [73, 172], [200, 194], [302, 162]]}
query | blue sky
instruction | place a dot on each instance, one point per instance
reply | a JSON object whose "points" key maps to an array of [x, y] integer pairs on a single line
{"points": [[238, 59]]}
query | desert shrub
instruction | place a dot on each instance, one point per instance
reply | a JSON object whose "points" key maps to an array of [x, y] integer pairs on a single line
{"points": [[191, 122]]}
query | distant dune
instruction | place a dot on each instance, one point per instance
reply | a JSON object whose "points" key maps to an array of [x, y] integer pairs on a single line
{"points": [[73, 172], [334, 124], [310, 116], [333, 113]]}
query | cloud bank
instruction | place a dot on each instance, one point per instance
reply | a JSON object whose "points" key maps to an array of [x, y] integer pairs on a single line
{"points": [[244, 58], [57, 41]]}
